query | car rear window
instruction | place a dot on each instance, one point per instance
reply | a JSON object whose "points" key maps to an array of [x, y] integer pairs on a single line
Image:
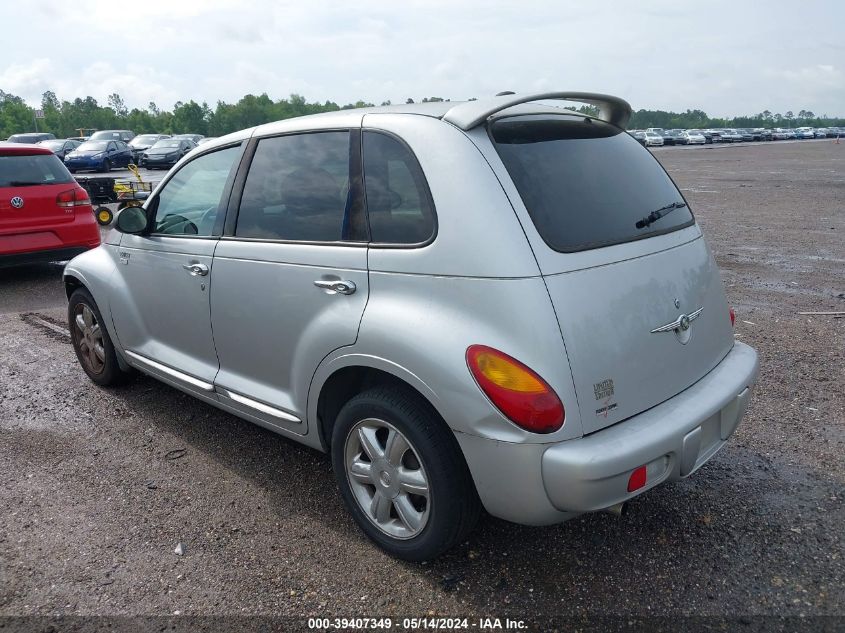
{"points": [[585, 182], [29, 170]]}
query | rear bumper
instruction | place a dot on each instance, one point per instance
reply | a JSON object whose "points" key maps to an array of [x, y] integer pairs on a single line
{"points": [[51, 243], [548, 483], [52, 255]]}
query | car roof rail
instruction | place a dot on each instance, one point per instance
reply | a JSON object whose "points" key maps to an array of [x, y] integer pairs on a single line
{"points": [[472, 113]]}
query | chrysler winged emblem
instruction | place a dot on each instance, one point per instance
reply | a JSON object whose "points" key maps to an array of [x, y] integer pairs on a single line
{"points": [[681, 324]]}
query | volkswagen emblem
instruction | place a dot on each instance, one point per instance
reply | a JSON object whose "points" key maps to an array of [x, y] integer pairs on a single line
{"points": [[17, 202]]}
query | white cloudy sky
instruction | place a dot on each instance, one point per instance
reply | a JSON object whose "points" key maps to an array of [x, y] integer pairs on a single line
{"points": [[727, 57]]}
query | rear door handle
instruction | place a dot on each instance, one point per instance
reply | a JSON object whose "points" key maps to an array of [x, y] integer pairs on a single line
{"points": [[340, 287], [196, 270]]}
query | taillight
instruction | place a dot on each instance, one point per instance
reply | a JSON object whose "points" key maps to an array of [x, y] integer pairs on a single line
{"points": [[517, 391], [73, 198], [733, 316]]}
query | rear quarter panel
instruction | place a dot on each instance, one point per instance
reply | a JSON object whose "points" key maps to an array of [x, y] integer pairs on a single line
{"points": [[418, 328]]}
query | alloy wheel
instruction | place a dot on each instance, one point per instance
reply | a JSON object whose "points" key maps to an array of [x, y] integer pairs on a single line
{"points": [[387, 478], [88, 338]]}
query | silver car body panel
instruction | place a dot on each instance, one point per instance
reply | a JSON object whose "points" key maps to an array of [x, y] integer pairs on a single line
{"points": [[268, 339], [160, 309], [263, 339]]}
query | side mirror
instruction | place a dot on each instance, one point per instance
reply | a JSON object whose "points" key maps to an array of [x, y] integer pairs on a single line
{"points": [[132, 220]]}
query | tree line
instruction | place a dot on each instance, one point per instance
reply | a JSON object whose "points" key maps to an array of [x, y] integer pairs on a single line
{"points": [[80, 116]]}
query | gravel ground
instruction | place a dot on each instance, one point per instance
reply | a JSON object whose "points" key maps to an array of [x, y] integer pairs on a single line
{"points": [[99, 486]]}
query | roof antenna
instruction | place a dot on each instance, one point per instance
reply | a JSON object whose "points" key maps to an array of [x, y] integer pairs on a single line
{"points": [[505, 92]]}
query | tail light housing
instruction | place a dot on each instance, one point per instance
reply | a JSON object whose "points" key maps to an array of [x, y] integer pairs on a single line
{"points": [[733, 316], [516, 390], [77, 197]]}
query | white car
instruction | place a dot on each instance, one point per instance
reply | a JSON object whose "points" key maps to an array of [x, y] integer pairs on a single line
{"points": [[694, 137], [653, 138]]}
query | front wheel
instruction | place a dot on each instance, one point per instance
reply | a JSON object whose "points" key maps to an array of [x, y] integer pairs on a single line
{"points": [[107, 165], [91, 341], [402, 475]]}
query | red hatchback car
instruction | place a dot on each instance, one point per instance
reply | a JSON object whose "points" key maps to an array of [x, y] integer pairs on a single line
{"points": [[44, 214]]}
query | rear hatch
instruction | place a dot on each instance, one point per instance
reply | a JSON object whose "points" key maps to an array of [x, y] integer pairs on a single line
{"points": [[621, 256], [30, 181]]}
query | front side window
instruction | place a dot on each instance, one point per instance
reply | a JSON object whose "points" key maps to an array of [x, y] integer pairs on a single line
{"points": [[585, 183], [399, 205], [298, 189], [190, 202]]}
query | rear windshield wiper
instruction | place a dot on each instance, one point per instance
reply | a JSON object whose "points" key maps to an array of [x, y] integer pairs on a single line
{"points": [[23, 183], [655, 215]]}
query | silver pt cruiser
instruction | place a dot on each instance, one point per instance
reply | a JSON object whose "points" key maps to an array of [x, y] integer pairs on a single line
{"points": [[499, 304]]}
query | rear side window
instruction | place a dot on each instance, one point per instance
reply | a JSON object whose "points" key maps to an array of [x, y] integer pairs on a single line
{"points": [[399, 204], [37, 169], [587, 183], [297, 189]]}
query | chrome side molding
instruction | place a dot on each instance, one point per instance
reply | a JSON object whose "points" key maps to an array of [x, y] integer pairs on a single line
{"points": [[259, 406], [173, 373]]}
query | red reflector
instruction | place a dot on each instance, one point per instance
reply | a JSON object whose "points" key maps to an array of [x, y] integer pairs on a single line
{"points": [[637, 479], [733, 316]]}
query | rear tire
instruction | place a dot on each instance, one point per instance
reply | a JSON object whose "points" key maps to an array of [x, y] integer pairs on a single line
{"points": [[414, 499], [91, 341]]}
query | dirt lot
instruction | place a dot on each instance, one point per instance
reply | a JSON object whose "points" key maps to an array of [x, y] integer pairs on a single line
{"points": [[95, 499]]}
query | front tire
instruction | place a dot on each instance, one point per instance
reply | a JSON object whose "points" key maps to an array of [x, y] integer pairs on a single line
{"points": [[402, 475], [91, 341], [107, 165]]}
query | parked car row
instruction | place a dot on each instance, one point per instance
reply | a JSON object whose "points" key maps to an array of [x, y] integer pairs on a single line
{"points": [[655, 136], [107, 149]]}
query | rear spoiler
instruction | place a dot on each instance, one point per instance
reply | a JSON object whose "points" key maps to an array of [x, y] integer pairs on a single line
{"points": [[467, 115]]}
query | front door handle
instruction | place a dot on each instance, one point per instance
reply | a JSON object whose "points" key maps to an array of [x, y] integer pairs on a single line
{"points": [[340, 287], [196, 270]]}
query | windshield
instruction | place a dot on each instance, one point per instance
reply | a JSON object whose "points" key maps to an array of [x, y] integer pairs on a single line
{"points": [[24, 138], [97, 146], [105, 134], [53, 145], [146, 139], [36, 169], [166, 144], [584, 182]]}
